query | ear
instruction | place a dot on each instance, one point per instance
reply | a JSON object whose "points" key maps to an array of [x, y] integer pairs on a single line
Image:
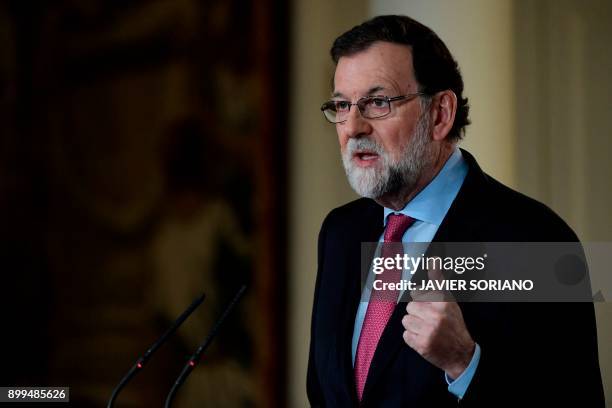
{"points": [[443, 109]]}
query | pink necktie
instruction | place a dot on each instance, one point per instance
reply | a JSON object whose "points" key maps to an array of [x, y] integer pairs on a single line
{"points": [[381, 304]]}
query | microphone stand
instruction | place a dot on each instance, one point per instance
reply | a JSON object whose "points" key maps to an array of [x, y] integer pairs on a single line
{"points": [[137, 367], [195, 358]]}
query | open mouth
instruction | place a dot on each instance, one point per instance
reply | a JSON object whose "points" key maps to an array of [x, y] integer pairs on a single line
{"points": [[365, 157]]}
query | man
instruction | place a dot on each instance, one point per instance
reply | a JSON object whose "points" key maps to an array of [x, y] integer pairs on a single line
{"points": [[399, 112]]}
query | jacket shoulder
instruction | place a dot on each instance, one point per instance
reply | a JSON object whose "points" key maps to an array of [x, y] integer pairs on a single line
{"points": [[500, 213], [352, 210], [535, 218]]}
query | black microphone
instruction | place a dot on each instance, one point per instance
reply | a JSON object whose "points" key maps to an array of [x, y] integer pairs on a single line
{"points": [[145, 357], [195, 358]]}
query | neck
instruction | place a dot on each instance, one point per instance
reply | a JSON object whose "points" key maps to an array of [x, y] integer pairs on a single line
{"points": [[398, 200]]}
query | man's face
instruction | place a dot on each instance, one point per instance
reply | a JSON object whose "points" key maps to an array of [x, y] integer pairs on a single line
{"points": [[382, 156]]}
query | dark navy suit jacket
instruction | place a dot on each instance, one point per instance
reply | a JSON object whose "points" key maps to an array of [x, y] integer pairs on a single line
{"points": [[532, 353]]}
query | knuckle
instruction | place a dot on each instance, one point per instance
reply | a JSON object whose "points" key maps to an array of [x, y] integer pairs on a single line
{"points": [[425, 347]]}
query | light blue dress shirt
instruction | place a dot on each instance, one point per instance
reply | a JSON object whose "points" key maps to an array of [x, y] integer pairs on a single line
{"points": [[428, 208]]}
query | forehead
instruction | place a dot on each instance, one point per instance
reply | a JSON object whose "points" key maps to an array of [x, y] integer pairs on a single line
{"points": [[384, 66]]}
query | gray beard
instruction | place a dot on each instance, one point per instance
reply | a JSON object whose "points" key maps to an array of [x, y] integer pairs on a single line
{"points": [[389, 177]]}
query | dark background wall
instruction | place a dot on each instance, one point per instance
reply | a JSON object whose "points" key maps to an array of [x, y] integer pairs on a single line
{"points": [[142, 162]]}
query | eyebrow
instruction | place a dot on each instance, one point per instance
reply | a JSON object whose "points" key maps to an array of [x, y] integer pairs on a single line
{"points": [[375, 89], [370, 92]]}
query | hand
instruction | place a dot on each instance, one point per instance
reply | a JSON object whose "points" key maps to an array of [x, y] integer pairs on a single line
{"points": [[435, 329]]}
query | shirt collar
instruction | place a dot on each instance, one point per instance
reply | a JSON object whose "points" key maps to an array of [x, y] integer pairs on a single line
{"points": [[432, 203]]}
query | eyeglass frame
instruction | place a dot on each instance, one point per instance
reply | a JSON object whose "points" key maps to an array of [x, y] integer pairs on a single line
{"points": [[324, 107]]}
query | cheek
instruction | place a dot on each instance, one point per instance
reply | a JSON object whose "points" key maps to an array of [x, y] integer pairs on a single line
{"points": [[342, 139], [395, 137], [389, 139]]}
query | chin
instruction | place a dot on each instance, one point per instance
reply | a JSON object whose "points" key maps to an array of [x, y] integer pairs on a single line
{"points": [[367, 182]]}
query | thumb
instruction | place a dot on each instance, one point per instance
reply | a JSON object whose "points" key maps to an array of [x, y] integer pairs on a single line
{"points": [[435, 274]]}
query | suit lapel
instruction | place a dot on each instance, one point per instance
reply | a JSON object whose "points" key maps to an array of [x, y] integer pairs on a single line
{"points": [[368, 229]]}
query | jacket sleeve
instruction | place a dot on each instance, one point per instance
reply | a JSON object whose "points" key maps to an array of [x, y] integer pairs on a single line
{"points": [[548, 357]]}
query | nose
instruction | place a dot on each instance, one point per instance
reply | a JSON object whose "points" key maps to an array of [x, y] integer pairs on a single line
{"points": [[355, 126]]}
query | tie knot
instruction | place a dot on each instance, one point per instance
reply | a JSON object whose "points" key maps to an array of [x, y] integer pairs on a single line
{"points": [[397, 224]]}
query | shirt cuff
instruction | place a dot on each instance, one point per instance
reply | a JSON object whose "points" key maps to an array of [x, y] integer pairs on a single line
{"points": [[459, 386]]}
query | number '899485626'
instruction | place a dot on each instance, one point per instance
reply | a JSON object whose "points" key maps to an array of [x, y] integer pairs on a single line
{"points": [[59, 394]]}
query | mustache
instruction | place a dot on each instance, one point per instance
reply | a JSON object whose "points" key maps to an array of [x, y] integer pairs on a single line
{"points": [[355, 145]]}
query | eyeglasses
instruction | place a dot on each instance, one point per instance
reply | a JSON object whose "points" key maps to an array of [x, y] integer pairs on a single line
{"points": [[370, 107]]}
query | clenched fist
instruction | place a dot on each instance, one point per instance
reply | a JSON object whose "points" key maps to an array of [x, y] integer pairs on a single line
{"points": [[435, 329]]}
